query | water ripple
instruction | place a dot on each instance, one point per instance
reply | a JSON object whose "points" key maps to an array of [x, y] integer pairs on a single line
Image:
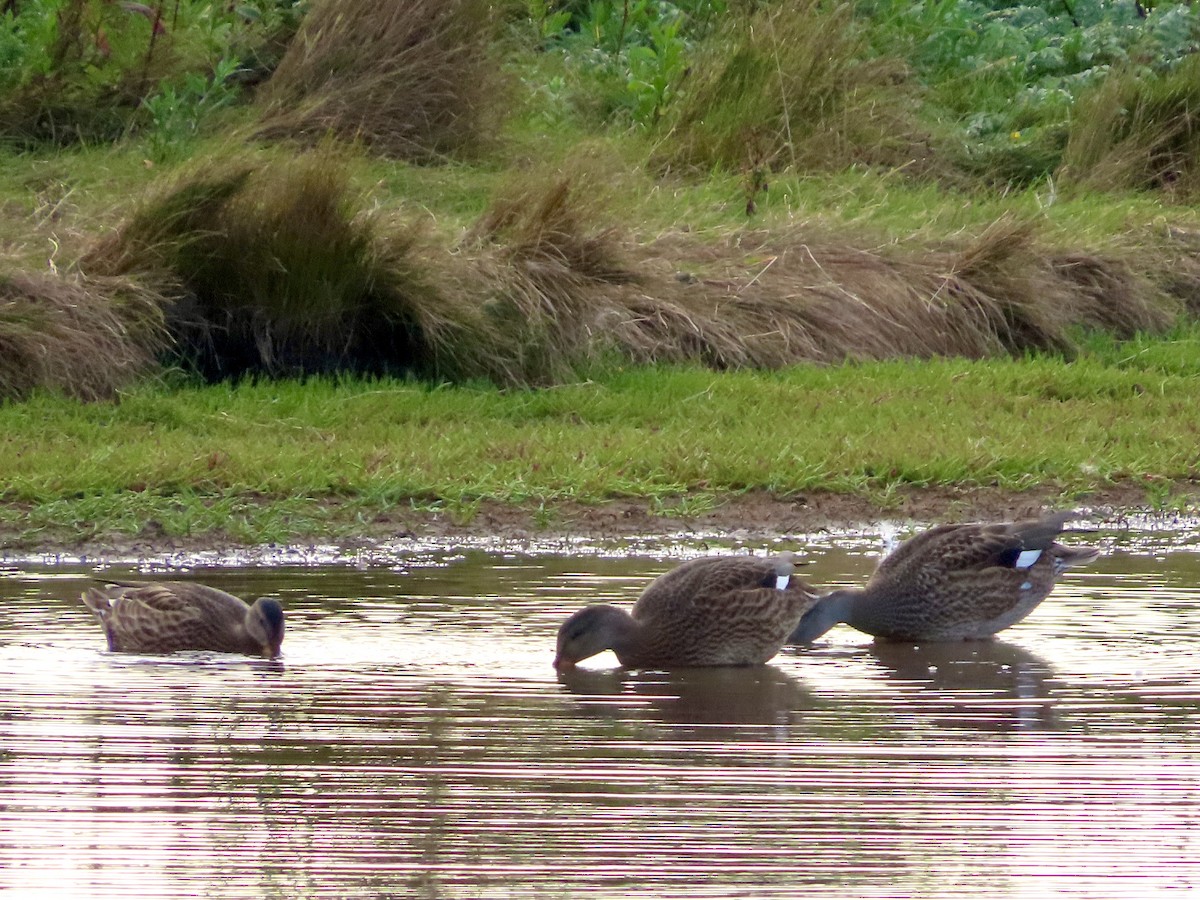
{"points": [[415, 741]]}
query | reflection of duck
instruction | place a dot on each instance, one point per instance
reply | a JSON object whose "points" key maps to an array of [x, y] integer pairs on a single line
{"points": [[711, 611], [758, 695], [977, 683], [953, 582], [994, 666], [140, 617]]}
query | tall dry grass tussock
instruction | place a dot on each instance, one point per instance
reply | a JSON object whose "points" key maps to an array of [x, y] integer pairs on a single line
{"points": [[84, 337], [1109, 294], [792, 85], [414, 79], [793, 300], [1178, 270], [283, 271], [537, 274], [1137, 131]]}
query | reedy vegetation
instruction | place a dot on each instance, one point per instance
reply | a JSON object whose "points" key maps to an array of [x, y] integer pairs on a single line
{"points": [[277, 263]]}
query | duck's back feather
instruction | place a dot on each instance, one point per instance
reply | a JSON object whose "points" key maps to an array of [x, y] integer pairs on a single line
{"points": [[163, 617], [728, 610]]}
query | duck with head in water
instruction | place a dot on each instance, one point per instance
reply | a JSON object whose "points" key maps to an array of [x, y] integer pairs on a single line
{"points": [[711, 611], [953, 582], [165, 616]]}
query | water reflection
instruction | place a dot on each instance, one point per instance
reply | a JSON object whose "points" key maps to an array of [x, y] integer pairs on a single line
{"points": [[414, 741], [972, 684], [758, 695]]}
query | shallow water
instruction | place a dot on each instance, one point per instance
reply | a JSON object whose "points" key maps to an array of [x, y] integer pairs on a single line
{"points": [[414, 741]]}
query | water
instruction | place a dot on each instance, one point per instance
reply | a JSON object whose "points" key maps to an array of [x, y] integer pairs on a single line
{"points": [[415, 742]]}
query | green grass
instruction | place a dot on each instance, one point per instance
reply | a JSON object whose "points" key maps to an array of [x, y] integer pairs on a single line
{"points": [[857, 181], [284, 460]]}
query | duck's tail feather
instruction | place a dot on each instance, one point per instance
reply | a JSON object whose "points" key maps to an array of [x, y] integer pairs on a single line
{"points": [[1065, 557]]}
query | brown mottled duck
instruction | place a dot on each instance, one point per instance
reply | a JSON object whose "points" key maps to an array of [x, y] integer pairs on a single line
{"points": [[953, 582], [711, 611], [162, 617]]}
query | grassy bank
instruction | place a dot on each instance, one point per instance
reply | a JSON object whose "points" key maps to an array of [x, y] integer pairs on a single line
{"points": [[325, 269], [284, 461]]}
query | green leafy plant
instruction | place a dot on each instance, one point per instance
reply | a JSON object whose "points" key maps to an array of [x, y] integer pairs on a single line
{"points": [[655, 70], [629, 56], [176, 114], [25, 42], [1001, 78], [90, 69], [548, 21]]}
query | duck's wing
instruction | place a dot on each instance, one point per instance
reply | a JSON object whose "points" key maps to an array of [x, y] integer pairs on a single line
{"points": [[713, 584], [1042, 535], [155, 618], [164, 604], [161, 617], [979, 572], [719, 611], [972, 547], [169, 595]]}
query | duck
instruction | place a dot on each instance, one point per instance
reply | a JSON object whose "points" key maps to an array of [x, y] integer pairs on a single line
{"points": [[709, 611], [953, 582], [165, 616]]}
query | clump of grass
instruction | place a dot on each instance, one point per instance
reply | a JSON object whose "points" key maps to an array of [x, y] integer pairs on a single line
{"points": [[1109, 295], [1178, 273], [46, 113], [283, 271], [415, 79], [86, 338], [1137, 130], [1019, 302], [543, 276], [802, 300], [793, 85], [799, 299], [545, 225]]}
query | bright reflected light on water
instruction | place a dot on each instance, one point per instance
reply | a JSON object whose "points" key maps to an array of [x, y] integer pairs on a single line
{"points": [[415, 741]]}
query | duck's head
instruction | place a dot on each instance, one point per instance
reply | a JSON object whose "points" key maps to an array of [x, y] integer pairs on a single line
{"points": [[832, 609], [264, 623], [592, 630]]}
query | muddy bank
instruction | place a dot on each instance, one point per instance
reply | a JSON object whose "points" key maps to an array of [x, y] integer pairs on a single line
{"points": [[750, 516], [758, 514]]}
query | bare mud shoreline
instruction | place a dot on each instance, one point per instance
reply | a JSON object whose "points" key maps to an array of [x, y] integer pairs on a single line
{"points": [[754, 515]]}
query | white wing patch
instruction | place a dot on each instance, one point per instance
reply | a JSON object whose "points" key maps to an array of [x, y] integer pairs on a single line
{"points": [[781, 581], [1027, 558]]}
